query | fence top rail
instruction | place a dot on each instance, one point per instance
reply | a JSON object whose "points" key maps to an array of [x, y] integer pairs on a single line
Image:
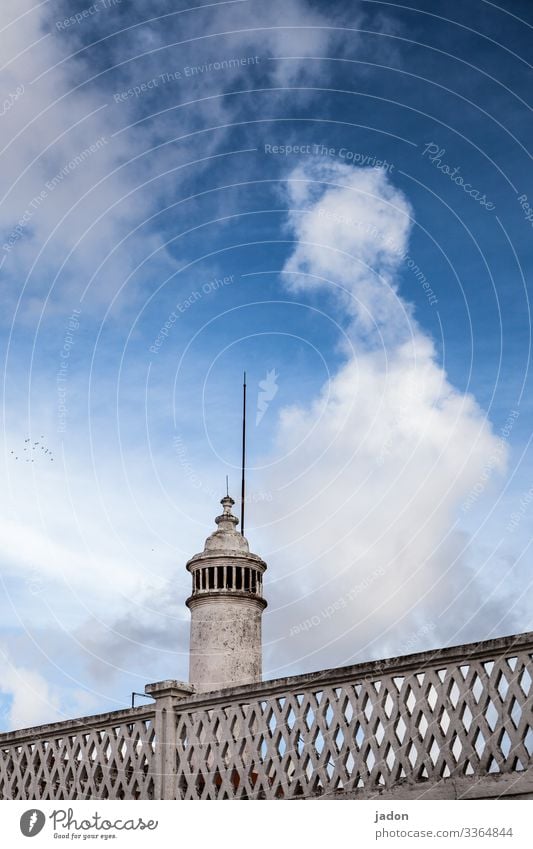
{"points": [[374, 670], [82, 724]]}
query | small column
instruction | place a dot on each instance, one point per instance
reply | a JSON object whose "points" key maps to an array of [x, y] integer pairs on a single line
{"points": [[166, 694]]}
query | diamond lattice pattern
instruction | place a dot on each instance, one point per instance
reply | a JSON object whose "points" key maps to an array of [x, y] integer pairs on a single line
{"points": [[427, 725]]}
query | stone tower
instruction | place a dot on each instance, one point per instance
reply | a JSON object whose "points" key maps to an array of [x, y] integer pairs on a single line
{"points": [[226, 607]]}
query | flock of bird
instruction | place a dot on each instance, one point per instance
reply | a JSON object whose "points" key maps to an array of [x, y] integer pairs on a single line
{"points": [[30, 446]]}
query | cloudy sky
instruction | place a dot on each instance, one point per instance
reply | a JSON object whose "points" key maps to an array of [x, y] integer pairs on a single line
{"points": [[336, 197]]}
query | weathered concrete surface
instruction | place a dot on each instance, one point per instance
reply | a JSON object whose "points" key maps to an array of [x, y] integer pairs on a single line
{"points": [[79, 724], [517, 785], [225, 641]]}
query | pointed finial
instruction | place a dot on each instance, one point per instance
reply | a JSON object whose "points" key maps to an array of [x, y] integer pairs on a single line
{"points": [[227, 503], [227, 520]]}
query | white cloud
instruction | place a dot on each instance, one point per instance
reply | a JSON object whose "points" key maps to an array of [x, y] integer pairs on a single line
{"points": [[375, 468], [352, 227], [66, 201], [49, 127], [32, 700]]}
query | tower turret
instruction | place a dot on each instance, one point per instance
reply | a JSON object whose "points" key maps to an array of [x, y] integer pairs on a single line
{"points": [[226, 607]]}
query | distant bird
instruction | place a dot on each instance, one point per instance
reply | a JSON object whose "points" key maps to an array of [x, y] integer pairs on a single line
{"points": [[28, 446]]}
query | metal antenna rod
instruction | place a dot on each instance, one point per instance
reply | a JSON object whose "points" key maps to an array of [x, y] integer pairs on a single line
{"points": [[243, 452], [227, 485]]}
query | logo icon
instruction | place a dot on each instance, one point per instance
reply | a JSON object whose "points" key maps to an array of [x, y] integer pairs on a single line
{"points": [[32, 822], [269, 389]]}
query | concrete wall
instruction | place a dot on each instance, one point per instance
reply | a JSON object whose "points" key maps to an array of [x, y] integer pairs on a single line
{"points": [[225, 648]]}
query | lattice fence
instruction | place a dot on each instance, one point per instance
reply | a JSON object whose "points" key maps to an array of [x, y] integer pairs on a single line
{"points": [[470, 718], [106, 761], [463, 714]]}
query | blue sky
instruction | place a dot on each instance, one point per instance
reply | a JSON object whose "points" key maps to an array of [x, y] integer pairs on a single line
{"points": [[336, 195]]}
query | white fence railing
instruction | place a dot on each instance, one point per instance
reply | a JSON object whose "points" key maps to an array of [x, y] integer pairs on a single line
{"points": [[105, 757], [455, 722]]}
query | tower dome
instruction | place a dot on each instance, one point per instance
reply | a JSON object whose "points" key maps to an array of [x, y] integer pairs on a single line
{"points": [[226, 607]]}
